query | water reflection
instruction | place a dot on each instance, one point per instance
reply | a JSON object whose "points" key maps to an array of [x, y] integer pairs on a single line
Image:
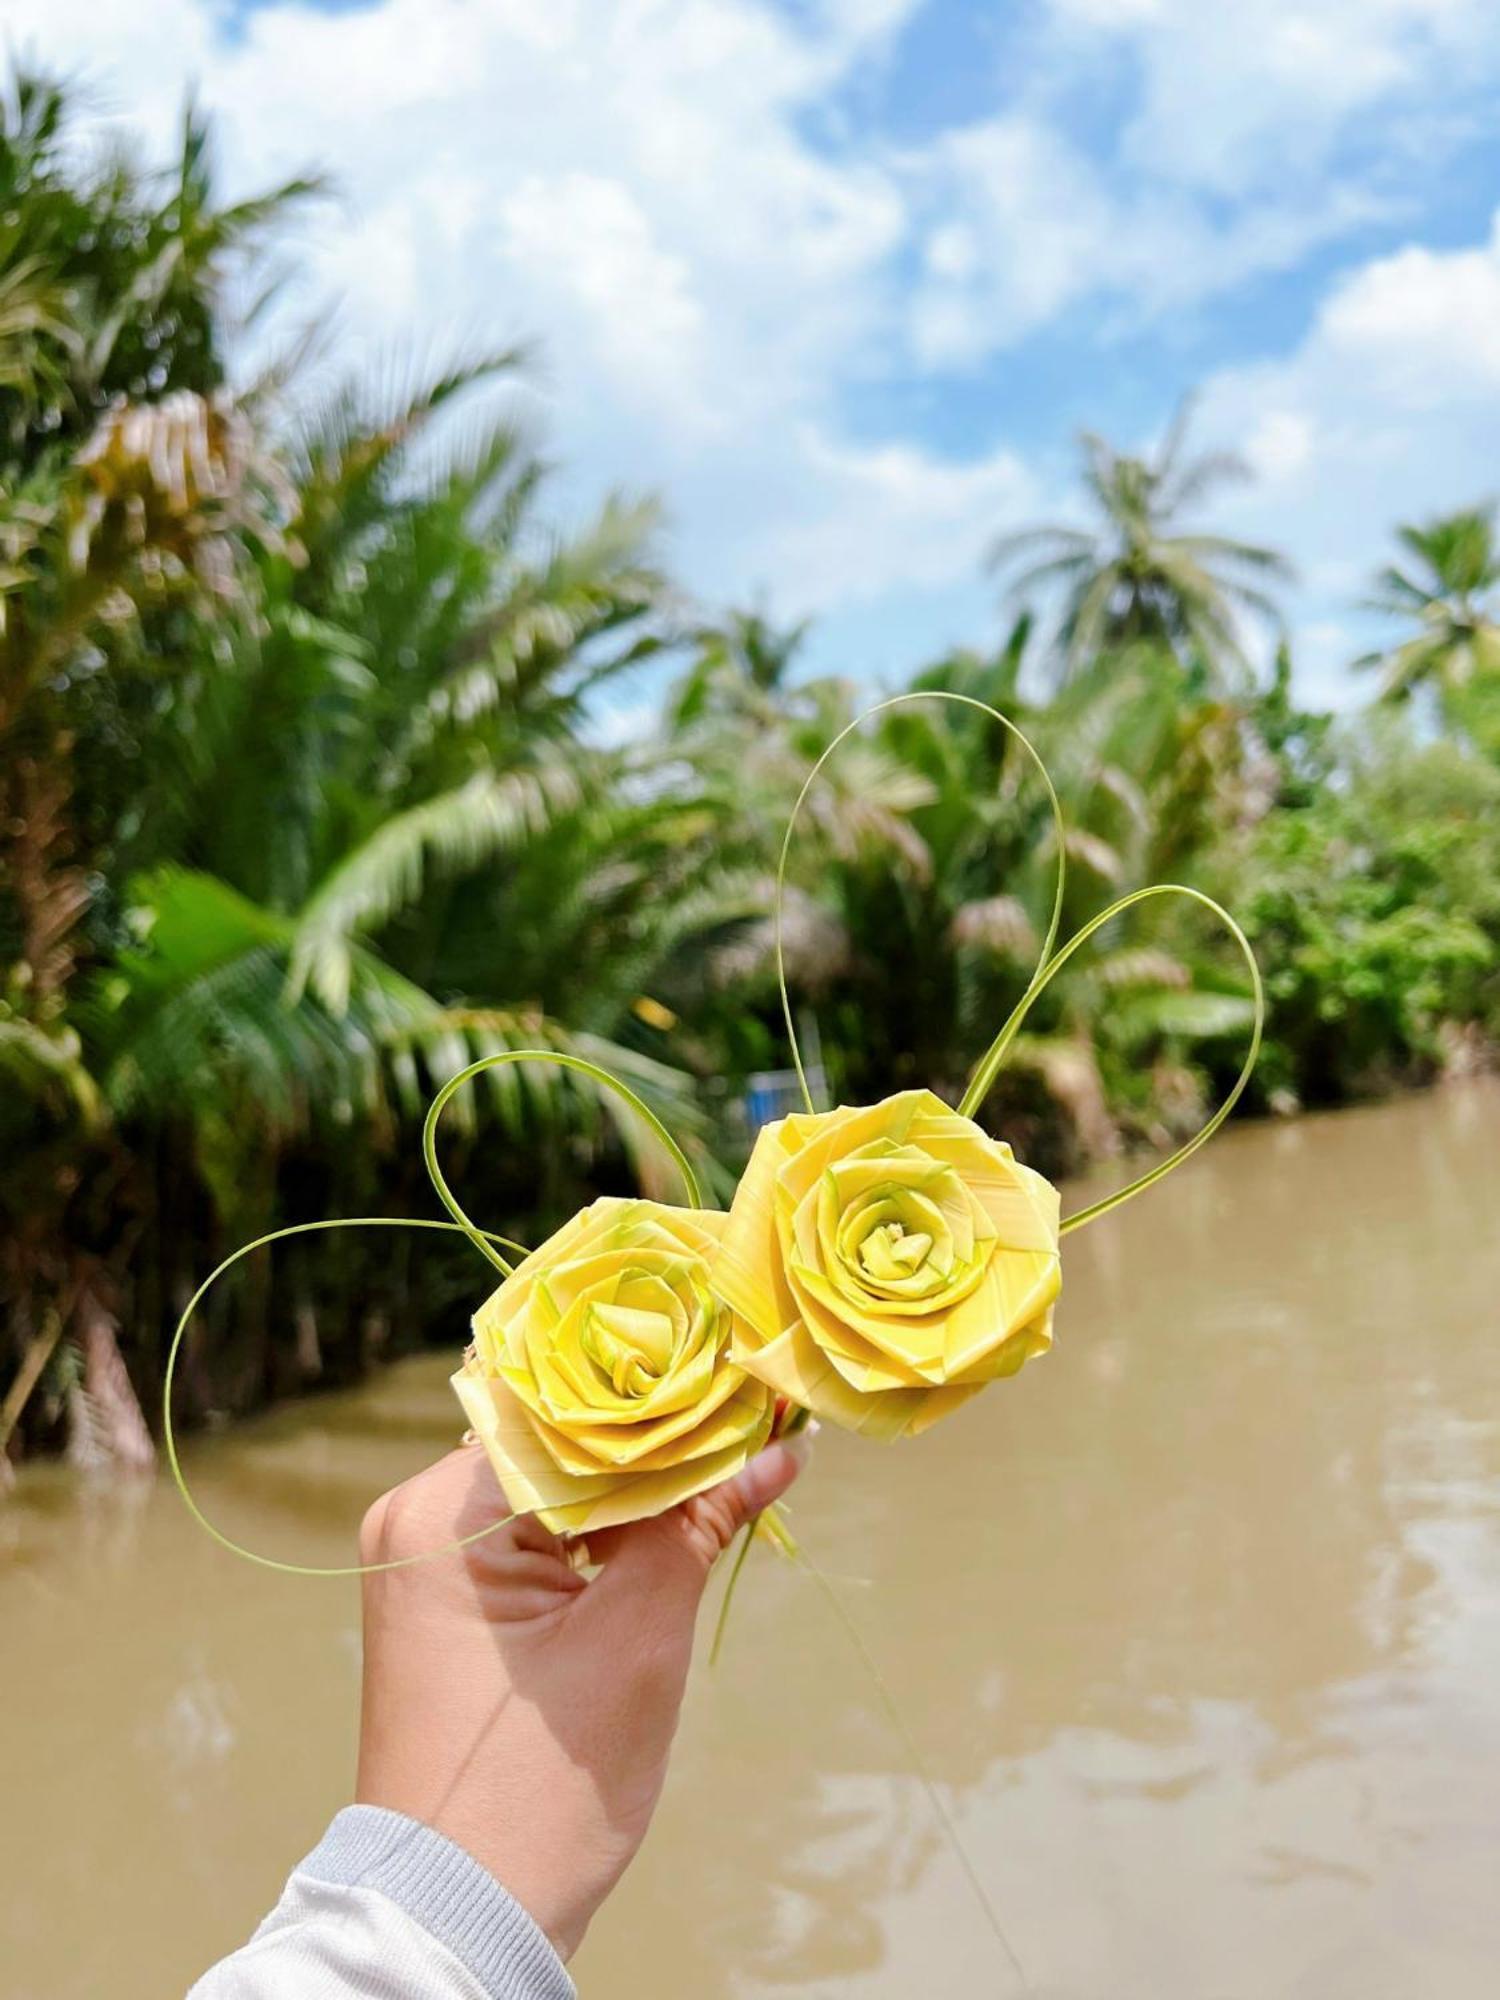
{"points": [[1195, 1624]]}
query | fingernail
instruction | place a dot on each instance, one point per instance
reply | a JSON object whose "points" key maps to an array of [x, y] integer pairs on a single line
{"points": [[799, 1444], [766, 1476]]}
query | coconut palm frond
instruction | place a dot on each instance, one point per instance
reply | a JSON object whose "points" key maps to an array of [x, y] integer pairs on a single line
{"points": [[1139, 966], [1088, 851], [1186, 1015], [1208, 549], [1454, 598], [451, 832], [1051, 543], [1208, 473], [1063, 568], [997, 924], [1069, 1068], [816, 948], [1142, 577], [541, 1103]]}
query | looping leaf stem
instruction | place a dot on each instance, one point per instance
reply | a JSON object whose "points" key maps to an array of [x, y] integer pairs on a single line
{"points": [[480, 1238], [986, 1070], [169, 1433]]}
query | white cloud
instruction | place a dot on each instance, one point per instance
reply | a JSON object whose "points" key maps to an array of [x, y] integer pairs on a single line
{"points": [[634, 182], [625, 178], [589, 248], [1279, 446], [1021, 220], [1026, 226], [888, 510], [1114, 14], [1425, 323], [1252, 134], [1388, 410], [1263, 92]]}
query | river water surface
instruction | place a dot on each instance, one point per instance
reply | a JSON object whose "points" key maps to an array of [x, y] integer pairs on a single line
{"points": [[1196, 1625]]}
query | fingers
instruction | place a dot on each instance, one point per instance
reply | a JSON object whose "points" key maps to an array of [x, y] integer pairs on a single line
{"points": [[527, 1532], [460, 1496], [670, 1557], [718, 1515], [525, 1585]]}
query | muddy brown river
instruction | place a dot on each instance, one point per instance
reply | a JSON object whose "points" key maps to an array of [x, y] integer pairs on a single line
{"points": [[1196, 1624]]}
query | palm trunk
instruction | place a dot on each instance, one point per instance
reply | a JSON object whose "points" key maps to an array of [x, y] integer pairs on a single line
{"points": [[114, 1433]]}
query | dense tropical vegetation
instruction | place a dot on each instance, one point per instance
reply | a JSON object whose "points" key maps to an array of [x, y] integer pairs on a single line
{"points": [[306, 803]]}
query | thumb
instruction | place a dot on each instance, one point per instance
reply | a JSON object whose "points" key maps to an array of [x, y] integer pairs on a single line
{"points": [[671, 1556]]}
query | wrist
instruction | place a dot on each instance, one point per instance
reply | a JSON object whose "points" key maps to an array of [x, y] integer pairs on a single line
{"points": [[446, 1890], [538, 1871], [541, 1872]]}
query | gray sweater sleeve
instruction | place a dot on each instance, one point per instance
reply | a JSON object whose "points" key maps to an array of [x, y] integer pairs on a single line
{"points": [[386, 1909]]}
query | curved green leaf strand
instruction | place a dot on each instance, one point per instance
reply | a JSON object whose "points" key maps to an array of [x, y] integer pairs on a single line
{"points": [[481, 1238], [1207, 1130], [484, 1240], [169, 1433], [880, 708], [731, 1585]]}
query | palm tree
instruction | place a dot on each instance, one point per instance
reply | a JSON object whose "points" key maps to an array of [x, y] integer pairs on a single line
{"points": [[295, 810], [1140, 576], [921, 883], [1448, 590], [741, 664], [129, 482], [404, 854]]}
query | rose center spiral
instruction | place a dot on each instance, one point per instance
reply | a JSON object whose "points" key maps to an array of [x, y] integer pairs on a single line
{"points": [[891, 1251], [894, 1228], [632, 1345]]}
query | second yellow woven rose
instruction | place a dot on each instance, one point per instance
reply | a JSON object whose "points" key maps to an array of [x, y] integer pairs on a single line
{"points": [[884, 1264]]}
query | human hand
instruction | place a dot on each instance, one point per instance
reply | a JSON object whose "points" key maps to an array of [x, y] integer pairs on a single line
{"points": [[522, 1710]]}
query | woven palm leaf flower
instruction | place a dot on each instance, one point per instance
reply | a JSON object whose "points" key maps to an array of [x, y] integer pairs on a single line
{"points": [[884, 1264], [600, 1380]]}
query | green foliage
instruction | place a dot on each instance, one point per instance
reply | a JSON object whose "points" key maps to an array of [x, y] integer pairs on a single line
{"points": [[285, 694], [1376, 911], [112, 274], [304, 805]]}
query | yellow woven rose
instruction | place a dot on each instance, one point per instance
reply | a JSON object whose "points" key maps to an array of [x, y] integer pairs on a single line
{"points": [[884, 1264], [600, 1379]]}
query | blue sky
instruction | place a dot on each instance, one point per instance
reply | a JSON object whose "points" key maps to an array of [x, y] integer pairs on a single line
{"points": [[841, 278]]}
